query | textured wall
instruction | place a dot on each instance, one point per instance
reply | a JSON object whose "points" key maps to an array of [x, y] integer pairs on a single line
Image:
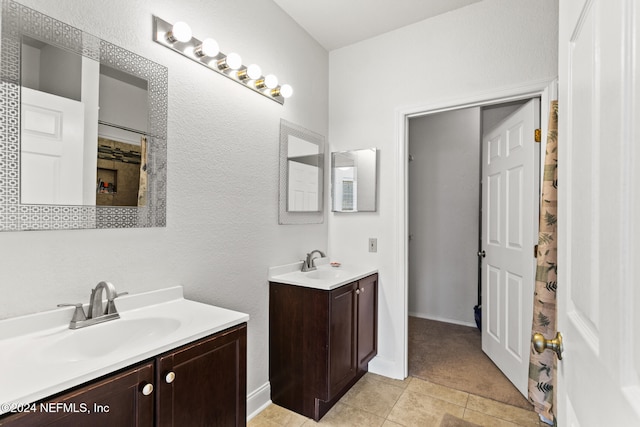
{"points": [[222, 218], [486, 46]]}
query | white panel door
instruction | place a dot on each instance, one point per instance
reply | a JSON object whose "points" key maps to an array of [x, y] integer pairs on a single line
{"points": [[51, 149], [303, 187], [599, 213], [509, 229]]}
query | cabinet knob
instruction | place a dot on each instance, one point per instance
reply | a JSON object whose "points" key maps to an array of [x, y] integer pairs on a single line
{"points": [[147, 389], [357, 291], [170, 377]]}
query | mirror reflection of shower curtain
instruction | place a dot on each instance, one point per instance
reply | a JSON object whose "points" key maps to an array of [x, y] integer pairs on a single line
{"points": [[142, 189]]}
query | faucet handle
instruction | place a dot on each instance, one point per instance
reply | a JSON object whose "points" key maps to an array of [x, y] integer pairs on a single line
{"points": [[78, 314], [111, 306]]}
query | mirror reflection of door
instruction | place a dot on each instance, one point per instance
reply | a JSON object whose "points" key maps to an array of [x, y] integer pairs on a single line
{"points": [[64, 98], [303, 175], [52, 149]]}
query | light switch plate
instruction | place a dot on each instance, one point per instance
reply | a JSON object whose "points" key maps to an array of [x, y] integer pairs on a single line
{"points": [[373, 244]]}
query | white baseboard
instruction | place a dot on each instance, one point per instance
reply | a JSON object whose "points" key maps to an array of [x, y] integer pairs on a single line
{"points": [[442, 319], [258, 400], [386, 368]]}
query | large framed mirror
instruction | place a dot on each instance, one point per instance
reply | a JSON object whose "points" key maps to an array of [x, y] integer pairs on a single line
{"points": [[83, 138], [354, 180], [301, 175]]}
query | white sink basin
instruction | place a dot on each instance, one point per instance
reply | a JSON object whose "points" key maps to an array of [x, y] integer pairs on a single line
{"points": [[324, 277], [102, 339], [325, 274]]}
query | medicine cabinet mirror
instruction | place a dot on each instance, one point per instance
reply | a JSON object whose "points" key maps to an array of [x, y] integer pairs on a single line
{"points": [[354, 180], [301, 175], [86, 125]]}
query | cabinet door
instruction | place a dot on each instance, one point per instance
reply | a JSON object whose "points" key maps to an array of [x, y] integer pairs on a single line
{"points": [[204, 383], [117, 400], [342, 338], [367, 320]]}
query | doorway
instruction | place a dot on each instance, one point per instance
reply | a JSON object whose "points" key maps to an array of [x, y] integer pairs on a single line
{"points": [[444, 228]]}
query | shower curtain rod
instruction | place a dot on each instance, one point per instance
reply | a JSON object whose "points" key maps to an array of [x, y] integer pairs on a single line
{"points": [[100, 122]]}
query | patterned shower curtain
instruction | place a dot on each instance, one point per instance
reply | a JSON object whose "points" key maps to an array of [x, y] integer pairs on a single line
{"points": [[542, 367], [144, 179]]}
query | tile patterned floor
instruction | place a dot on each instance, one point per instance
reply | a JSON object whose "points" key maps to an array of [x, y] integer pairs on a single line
{"points": [[377, 401]]}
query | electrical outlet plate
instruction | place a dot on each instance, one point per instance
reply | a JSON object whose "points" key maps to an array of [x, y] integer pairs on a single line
{"points": [[373, 244]]}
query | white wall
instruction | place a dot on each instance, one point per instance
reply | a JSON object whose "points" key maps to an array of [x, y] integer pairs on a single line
{"points": [[444, 209], [492, 115], [486, 46], [222, 228]]}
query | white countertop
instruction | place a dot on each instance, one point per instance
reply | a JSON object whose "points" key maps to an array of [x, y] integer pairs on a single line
{"points": [[36, 360], [325, 277]]}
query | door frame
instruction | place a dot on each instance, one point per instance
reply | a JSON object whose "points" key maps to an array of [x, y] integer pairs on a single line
{"points": [[545, 89]]}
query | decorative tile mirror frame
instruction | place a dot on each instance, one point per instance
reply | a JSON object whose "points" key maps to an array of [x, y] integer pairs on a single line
{"points": [[19, 21]]}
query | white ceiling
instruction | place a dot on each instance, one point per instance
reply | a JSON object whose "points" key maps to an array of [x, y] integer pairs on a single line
{"points": [[338, 23]]}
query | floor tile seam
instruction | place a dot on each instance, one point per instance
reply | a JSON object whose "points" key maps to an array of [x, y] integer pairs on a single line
{"points": [[437, 398], [498, 402], [447, 387], [395, 402], [386, 416], [367, 411], [421, 411], [511, 421], [379, 381]]}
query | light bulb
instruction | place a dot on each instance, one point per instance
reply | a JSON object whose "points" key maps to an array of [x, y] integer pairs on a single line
{"points": [[234, 61], [209, 47], [251, 72], [271, 81], [180, 32], [254, 71], [231, 61], [286, 91]]}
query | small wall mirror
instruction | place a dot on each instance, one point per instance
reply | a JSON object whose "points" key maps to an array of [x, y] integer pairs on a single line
{"points": [[301, 175], [90, 143], [354, 180]]}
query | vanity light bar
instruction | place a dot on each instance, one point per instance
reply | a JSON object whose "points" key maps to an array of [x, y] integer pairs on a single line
{"points": [[178, 37]]}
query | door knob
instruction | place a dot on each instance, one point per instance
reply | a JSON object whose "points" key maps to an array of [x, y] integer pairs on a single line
{"points": [[482, 253], [540, 344], [170, 377]]}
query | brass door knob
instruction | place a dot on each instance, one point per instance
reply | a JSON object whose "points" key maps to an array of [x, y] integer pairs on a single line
{"points": [[540, 344]]}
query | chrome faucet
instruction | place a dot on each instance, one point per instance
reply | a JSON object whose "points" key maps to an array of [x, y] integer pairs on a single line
{"points": [[97, 312], [96, 308], [307, 264]]}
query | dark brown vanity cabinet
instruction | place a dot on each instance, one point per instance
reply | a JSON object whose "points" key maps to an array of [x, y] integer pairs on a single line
{"points": [[201, 384], [204, 383], [320, 342], [116, 400]]}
